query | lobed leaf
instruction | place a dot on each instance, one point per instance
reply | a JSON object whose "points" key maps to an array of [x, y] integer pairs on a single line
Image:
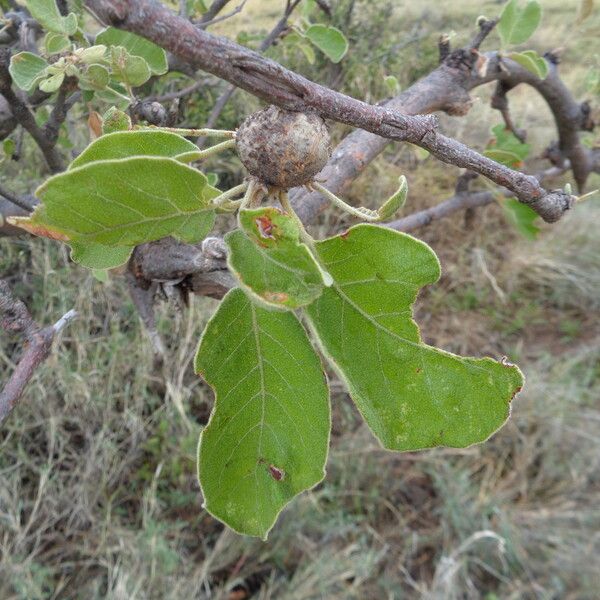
{"points": [[124, 203], [412, 395], [268, 435], [269, 260]]}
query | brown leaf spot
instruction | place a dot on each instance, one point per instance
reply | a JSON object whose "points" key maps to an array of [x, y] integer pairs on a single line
{"points": [[278, 297], [276, 474], [265, 227], [344, 235]]}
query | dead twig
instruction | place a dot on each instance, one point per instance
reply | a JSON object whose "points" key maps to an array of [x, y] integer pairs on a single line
{"points": [[15, 318]]}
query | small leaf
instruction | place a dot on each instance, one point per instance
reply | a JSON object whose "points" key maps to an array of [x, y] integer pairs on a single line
{"points": [[330, 40], [141, 142], [504, 157], [131, 70], [100, 274], [9, 147], [97, 256], [531, 61], [26, 70], [47, 14], [124, 203], [154, 55], [96, 77], [268, 435], [52, 84], [522, 217], [517, 23], [412, 395], [56, 42], [117, 120], [392, 84], [394, 203], [270, 261], [113, 96], [93, 54]]}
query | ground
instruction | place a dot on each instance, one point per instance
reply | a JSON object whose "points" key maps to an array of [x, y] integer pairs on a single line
{"points": [[98, 493]]}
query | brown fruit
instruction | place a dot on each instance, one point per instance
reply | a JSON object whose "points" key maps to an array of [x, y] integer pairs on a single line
{"points": [[281, 148]]}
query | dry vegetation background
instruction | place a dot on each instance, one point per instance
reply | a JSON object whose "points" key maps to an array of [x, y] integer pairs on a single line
{"points": [[98, 495]]}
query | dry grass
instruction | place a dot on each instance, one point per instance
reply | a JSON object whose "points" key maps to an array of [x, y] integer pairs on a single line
{"points": [[98, 497]]}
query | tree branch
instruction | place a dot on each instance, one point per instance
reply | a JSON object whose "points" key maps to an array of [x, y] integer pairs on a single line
{"points": [[270, 81], [15, 318]]}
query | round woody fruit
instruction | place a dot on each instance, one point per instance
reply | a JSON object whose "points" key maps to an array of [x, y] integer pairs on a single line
{"points": [[281, 148]]}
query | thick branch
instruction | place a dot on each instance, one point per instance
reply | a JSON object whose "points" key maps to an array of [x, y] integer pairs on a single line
{"points": [[15, 318], [270, 81]]}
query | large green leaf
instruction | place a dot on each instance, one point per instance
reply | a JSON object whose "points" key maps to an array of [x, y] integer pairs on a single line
{"points": [[124, 203], [329, 40], [143, 142], [271, 262], [27, 69], [268, 434], [412, 395], [154, 55], [517, 23]]}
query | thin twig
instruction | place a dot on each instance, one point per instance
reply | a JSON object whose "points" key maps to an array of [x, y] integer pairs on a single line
{"points": [[15, 318], [238, 9], [20, 201]]}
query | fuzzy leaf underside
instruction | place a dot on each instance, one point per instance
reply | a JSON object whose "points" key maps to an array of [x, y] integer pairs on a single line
{"points": [[124, 203], [269, 260], [125, 144], [412, 395], [268, 435]]}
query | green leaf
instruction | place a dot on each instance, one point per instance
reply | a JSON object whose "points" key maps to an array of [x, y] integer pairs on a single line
{"points": [[117, 120], [522, 217], [506, 148], [97, 256], [9, 146], [394, 203], [56, 42], [270, 261], [504, 157], [48, 15], [96, 77], [531, 61], [392, 84], [52, 83], [26, 70], [100, 274], [154, 55], [329, 40], [92, 55], [131, 70], [517, 23], [124, 203], [113, 96], [412, 395], [268, 435], [141, 142]]}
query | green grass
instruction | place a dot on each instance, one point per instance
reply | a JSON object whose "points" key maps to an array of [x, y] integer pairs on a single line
{"points": [[98, 494]]}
